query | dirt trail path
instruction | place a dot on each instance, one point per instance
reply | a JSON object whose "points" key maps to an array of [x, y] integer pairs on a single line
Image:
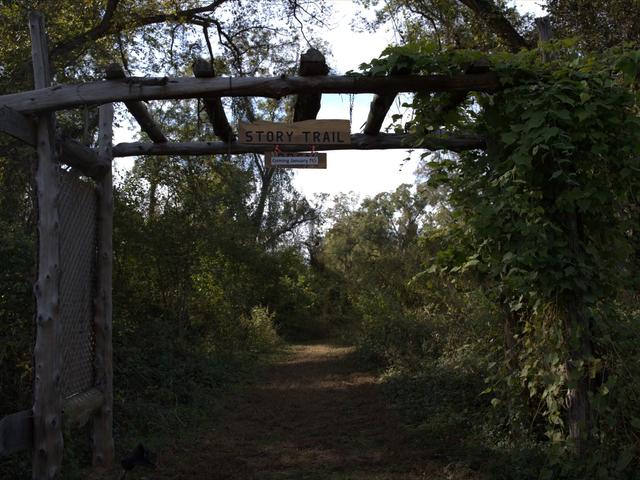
{"points": [[314, 415]]}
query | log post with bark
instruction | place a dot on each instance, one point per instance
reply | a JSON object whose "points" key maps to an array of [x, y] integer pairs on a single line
{"points": [[577, 325], [307, 105], [213, 105], [48, 442], [137, 109], [102, 436]]}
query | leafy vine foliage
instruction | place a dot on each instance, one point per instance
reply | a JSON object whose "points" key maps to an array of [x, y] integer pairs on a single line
{"points": [[545, 219]]}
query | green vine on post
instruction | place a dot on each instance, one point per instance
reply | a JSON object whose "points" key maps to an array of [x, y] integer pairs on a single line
{"points": [[546, 211]]}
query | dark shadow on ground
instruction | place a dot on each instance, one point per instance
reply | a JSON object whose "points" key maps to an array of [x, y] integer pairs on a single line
{"points": [[316, 414]]}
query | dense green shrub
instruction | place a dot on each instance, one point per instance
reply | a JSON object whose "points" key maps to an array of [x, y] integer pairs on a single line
{"points": [[261, 334], [542, 223]]}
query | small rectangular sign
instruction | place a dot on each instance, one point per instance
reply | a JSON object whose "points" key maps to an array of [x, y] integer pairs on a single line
{"points": [[296, 159], [307, 132]]}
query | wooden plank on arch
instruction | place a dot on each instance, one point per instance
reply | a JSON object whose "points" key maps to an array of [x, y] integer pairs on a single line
{"points": [[62, 97], [48, 442], [102, 432]]}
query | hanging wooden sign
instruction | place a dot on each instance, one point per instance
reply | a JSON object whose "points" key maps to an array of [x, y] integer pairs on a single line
{"points": [[296, 159], [307, 132]]}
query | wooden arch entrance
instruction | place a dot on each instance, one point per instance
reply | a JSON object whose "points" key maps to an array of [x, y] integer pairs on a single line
{"points": [[73, 367]]}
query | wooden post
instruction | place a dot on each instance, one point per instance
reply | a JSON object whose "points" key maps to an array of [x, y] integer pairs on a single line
{"points": [[137, 109], [576, 322], [545, 33], [543, 25], [307, 106], [102, 436], [48, 443], [213, 105], [380, 105]]}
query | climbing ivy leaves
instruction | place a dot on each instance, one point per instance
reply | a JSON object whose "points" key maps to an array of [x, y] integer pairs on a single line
{"points": [[562, 146], [546, 213], [548, 208]]}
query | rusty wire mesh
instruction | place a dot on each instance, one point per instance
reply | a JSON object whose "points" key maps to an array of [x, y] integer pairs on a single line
{"points": [[78, 204]]}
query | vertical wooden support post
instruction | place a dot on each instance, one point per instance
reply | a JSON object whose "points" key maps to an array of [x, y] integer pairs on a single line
{"points": [[307, 106], [48, 443], [102, 437]]}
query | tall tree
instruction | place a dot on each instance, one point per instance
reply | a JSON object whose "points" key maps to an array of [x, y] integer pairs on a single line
{"points": [[598, 24]]}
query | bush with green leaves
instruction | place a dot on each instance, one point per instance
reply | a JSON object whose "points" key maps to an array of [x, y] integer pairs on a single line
{"points": [[260, 330], [545, 219]]}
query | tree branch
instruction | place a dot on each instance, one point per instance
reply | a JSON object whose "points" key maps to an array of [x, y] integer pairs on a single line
{"points": [[108, 26], [489, 12], [96, 32]]}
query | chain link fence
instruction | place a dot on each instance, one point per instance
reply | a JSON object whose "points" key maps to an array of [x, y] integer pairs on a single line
{"points": [[78, 210]]}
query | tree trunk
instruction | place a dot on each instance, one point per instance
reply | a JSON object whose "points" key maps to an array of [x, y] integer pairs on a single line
{"points": [[266, 176], [48, 442], [511, 319], [578, 339]]}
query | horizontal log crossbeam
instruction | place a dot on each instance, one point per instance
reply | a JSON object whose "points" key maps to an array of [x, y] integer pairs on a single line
{"points": [[87, 161], [16, 430], [358, 142], [73, 153], [132, 90], [62, 97]]}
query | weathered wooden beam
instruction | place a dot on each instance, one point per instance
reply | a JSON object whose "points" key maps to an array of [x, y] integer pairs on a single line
{"points": [[380, 105], [545, 34], [78, 409], [307, 105], [17, 125], [102, 434], [213, 105], [545, 31], [135, 89], [16, 433], [16, 430], [48, 443], [137, 109], [454, 99], [73, 153], [83, 158], [358, 142]]}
